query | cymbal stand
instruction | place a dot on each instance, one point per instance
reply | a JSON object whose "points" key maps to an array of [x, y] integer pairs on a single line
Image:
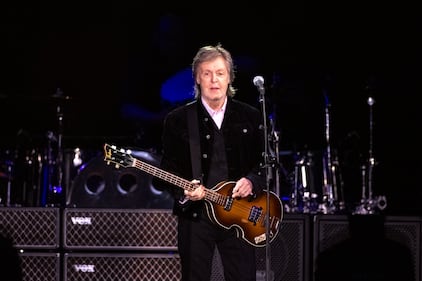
{"points": [[9, 165], [11, 175], [54, 164], [371, 159], [274, 138], [294, 206], [329, 194], [59, 164], [368, 202], [56, 183], [338, 183]]}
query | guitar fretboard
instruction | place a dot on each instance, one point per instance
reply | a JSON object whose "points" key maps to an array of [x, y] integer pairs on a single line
{"points": [[178, 181]]}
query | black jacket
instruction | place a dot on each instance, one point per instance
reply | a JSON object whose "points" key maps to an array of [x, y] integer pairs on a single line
{"points": [[244, 144]]}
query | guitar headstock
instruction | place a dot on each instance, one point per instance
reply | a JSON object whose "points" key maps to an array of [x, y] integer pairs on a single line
{"points": [[119, 157]]}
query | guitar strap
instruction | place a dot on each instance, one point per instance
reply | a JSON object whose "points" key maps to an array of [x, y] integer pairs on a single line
{"points": [[194, 141]]}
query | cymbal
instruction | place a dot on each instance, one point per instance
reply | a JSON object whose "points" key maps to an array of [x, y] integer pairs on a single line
{"points": [[57, 96], [33, 98], [64, 97], [60, 95]]}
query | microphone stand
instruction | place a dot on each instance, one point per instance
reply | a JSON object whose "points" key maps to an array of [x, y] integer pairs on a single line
{"points": [[268, 166]]}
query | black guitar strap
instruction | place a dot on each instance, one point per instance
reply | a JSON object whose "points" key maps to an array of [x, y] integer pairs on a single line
{"points": [[194, 142]]}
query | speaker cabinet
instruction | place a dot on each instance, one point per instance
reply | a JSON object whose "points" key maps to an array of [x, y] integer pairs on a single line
{"points": [[110, 229], [121, 266], [119, 229], [31, 228], [365, 243], [40, 266], [98, 185], [289, 251]]}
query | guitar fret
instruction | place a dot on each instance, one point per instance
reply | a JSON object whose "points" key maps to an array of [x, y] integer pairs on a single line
{"points": [[218, 199], [215, 197]]}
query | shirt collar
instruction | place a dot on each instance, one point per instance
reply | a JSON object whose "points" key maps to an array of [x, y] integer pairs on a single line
{"points": [[211, 111]]}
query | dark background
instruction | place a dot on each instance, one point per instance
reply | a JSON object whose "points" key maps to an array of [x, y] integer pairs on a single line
{"points": [[92, 64]]}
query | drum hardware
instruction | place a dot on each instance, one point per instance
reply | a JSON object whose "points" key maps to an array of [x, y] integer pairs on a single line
{"points": [[19, 182], [26, 182], [368, 203], [8, 176], [274, 140], [338, 182], [53, 169], [303, 198], [77, 157], [52, 175], [330, 188], [381, 202], [75, 160], [37, 168], [34, 177], [293, 206]]}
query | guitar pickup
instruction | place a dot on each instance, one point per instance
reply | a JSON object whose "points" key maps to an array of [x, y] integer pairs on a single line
{"points": [[229, 204], [255, 214]]}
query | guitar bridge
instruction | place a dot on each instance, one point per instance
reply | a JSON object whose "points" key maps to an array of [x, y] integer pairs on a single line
{"points": [[254, 214]]}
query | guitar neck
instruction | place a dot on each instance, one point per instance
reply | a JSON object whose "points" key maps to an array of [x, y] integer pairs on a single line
{"points": [[161, 174], [122, 158], [175, 180]]}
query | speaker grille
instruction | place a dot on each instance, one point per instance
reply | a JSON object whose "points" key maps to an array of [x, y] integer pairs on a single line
{"points": [[35, 228], [289, 251], [407, 232], [40, 266], [332, 230], [120, 229], [131, 267]]}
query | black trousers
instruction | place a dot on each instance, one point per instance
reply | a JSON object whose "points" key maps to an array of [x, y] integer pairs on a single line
{"points": [[197, 240]]}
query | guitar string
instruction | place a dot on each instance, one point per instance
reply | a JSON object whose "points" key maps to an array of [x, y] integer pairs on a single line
{"points": [[185, 184], [176, 180]]}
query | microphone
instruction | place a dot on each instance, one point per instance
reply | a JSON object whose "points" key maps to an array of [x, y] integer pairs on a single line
{"points": [[258, 81], [371, 101]]}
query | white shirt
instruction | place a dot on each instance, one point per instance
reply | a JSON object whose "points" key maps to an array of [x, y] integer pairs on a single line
{"points": [[216, 115]]}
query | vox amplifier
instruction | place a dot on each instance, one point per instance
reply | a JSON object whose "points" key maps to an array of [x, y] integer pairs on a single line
{"points": [[121, 266], [40, 266], [119, 229], [31, 228]]}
